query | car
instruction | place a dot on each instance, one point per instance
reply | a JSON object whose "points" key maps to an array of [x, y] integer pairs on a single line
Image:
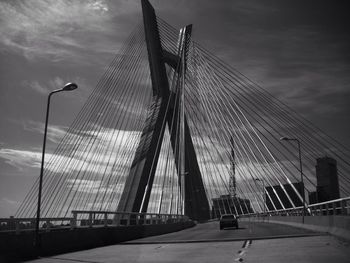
{"points": [[229, 220]]}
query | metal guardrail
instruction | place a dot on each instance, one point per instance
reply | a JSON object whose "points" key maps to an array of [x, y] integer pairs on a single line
{"points": [[339, 206], [105, 218], [83, 219], [28, 224]]}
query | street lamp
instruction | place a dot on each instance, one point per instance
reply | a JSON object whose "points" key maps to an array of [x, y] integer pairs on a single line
{"points": [[67, 87], [301, 171], [263, 193]]}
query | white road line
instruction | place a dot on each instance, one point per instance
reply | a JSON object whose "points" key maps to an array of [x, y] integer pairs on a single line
{"points": [[243, 251]]}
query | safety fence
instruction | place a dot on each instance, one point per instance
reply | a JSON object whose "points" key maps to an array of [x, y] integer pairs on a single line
{"points": [[339, 206], [82, 218]]}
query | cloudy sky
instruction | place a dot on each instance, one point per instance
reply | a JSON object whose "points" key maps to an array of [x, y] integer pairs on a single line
{"points": [[298, 50]]}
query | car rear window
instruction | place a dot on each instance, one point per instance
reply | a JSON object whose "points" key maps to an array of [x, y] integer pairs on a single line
{"points": [[228, 217]]}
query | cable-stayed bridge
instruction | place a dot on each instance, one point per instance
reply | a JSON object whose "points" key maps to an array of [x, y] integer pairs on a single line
{"points": [[172, 133]]}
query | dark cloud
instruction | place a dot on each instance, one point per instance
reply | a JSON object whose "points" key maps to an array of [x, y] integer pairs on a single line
{"points": [[298, 50]]}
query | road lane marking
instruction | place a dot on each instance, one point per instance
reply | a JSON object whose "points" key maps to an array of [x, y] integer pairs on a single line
{"points": [[247, 243], [139, 242], [162, 246], [243, 251]]}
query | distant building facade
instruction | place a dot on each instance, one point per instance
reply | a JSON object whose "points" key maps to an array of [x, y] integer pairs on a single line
{"points": [[275, 196], [313, 198], [227, 204], [327, 179]]}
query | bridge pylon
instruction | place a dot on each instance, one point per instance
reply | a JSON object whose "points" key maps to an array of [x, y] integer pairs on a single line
{"points": [[138, 185]]}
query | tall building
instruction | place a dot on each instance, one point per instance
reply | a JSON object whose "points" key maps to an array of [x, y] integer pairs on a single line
{"points": [[313, 198], [227, 204], [275, 196], [232, 182], [327, 179]]}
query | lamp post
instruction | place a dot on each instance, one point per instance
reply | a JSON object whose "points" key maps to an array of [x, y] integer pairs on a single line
{"points": [[301, 172], [67, 87], [263, 194]]}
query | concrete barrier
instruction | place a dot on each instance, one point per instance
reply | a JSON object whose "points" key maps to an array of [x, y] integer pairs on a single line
{"points": [[335, 225], [14, 247]]}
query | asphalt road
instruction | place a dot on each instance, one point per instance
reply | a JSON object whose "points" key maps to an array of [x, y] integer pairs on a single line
{"points": [[252, 242], [211, 232]]}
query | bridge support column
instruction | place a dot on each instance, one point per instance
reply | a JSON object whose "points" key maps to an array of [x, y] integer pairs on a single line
{"points": [[137, 190]]}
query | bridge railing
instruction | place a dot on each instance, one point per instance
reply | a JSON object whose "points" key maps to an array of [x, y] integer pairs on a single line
{"points": [[89, 219], [339, 206], [28, 224], [107, 218]]}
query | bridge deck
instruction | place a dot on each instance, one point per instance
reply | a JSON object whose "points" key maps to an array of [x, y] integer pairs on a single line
{"points": [[210, 232], [205, 243]]}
